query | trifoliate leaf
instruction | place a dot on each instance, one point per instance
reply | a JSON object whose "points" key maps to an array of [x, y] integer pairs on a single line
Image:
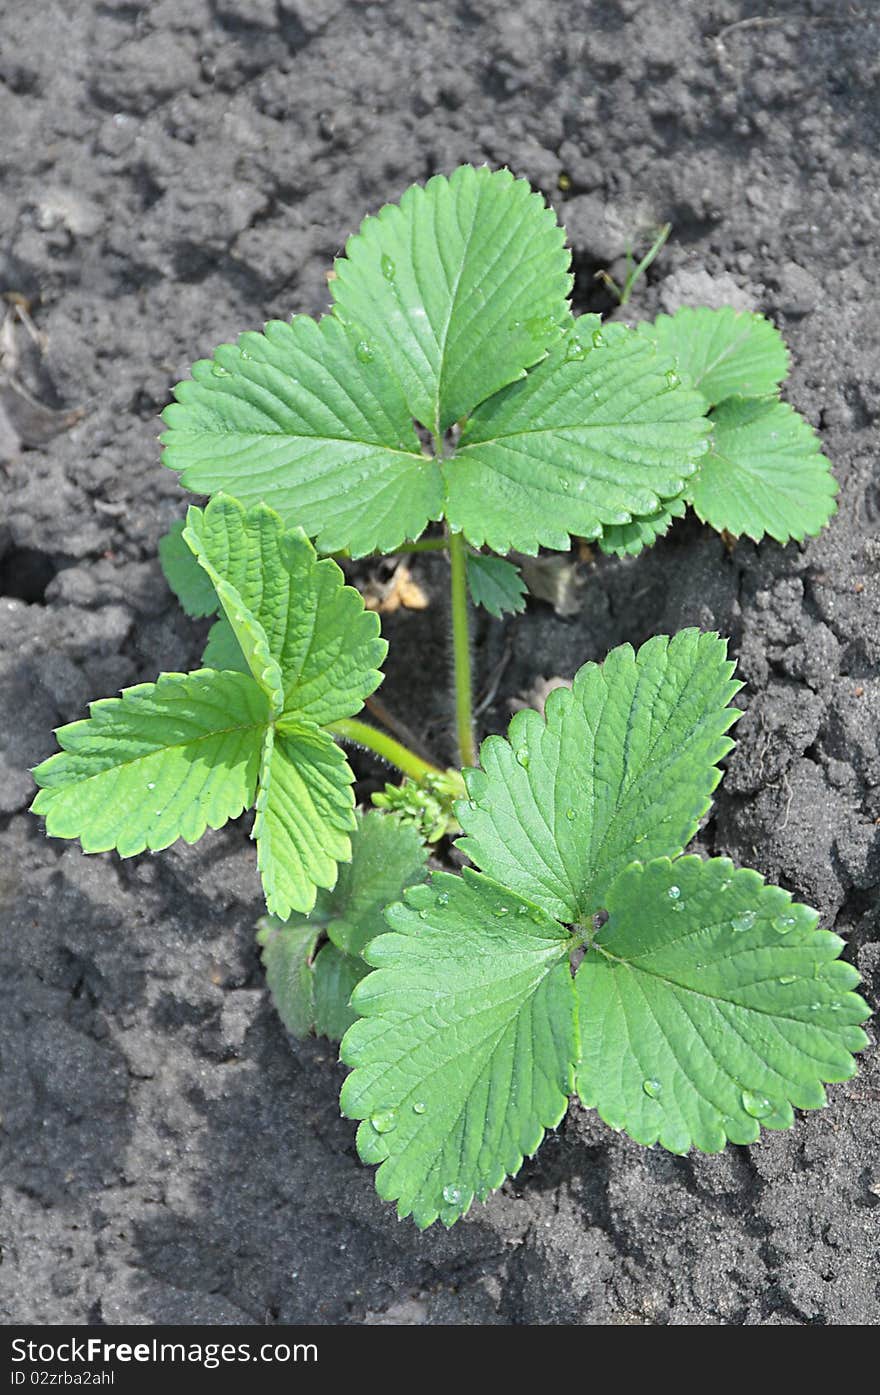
{"points": [[222, 650], [166, 760], [310, 421], [463, 1054], [764, 474], [710, 1004], [314, 629], [460, 288], [336, 975], [288, 949], [386, 857], [496, 585], [190, 584], [623, 767], [595, 434], [722, 353], [305, 813], [628, 539]]}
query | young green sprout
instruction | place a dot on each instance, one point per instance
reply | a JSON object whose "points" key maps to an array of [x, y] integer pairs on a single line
{"points": [[451, 385]]}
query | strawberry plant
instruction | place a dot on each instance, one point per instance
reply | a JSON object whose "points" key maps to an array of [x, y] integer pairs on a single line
{"points": [[451, 401]]}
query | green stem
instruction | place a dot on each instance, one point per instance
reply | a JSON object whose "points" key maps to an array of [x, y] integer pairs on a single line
{"points": [[461, 650], [425, 545], [350, 729]]}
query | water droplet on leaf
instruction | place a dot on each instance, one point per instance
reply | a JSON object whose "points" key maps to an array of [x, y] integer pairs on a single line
{"points": [[743, 922], [787, 978], [598, 339], [674, 892], [219, 371], [363, 353], [522, 757], [387, 267], [574, 351], [384, 1121], [783, 923], [571, 815], [419, 1107], [652, 1088], [758, 1106], [443, 898], [451, 1194]]}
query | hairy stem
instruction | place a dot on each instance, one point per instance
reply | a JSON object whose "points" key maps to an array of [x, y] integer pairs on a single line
{"points": [[394, 752], [461, 650]]}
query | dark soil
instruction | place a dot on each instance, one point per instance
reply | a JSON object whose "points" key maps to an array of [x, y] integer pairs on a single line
{"points": [[178, 171]]}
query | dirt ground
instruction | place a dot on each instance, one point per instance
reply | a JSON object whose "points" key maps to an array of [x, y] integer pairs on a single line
{"points": [[175, 172]]}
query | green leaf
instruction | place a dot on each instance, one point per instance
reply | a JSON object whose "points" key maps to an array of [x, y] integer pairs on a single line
{"points": [[494, 584], [288, 948], [623, 767], [187, 580], [222, 650], [463, 1052], [722, 353], [596, 434], [294, 417], [305, 813], [166, 760], [386, 857], [460, 288], [313, 629], [311, 991], [710, 1004], [336, 977], [628, 539], [764, 474]]}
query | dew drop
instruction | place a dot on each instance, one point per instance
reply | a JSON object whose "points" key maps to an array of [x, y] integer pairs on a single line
{"points": [[387, 267], [672, 378], [151, 785], [814, 1007], [652, 1088], [725, 886], [500, 911], [451, 1194], [384, 1121], [522, 757], [678, 905], [443, 898], [641, 838], [245, 355], [758, 1106], [787, 978], [571, 815], [363, 353], [674, 892], [423, 915], [219, 371], [598, 339], [743, 922], [522, 910], [835, 1007], [575, 351], [783, 923], [419, 1107]]}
